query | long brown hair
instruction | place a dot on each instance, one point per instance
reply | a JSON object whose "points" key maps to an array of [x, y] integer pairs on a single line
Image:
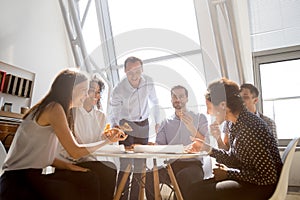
{"points": [[101, 86], [60, 92]]}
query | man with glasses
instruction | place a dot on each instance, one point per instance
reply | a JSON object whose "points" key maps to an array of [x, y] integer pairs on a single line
{"points": [[130, 104]]}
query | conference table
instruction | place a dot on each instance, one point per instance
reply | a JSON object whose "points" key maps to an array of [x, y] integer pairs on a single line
{"points": [[168, 157]]}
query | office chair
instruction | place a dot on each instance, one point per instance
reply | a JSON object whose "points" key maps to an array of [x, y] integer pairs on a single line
{"points": [[287, 158]]}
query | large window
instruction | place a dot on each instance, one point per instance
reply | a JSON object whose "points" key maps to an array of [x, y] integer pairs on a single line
{"points": [[164, 34], [278, 75], [153, 25]]}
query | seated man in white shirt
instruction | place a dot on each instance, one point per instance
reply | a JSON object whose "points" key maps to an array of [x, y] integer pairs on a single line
{"points": [[177, 129]]}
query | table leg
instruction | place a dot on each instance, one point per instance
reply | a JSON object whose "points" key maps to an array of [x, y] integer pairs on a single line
{"points": [[157, 195], [174, 182], [142, 183], [121, 186]]}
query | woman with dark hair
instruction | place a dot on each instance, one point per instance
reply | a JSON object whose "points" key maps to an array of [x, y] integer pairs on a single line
{"points": [[97, 83], [87, 124], [251, 167], [35, 144]]}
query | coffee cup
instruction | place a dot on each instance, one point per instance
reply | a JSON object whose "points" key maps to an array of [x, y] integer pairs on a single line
{"points": [[24, 110]]}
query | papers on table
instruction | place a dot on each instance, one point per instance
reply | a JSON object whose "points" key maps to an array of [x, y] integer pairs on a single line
{"points": [[112, 149], [169, 149], [159, 148]]}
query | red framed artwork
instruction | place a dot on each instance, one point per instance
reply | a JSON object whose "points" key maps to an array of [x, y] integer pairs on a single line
{"points": [[2, 79]]}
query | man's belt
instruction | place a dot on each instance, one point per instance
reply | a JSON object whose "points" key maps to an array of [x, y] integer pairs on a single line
{"points": [[142, 123]]}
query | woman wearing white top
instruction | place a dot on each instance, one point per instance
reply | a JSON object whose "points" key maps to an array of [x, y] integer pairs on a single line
{"points": [[87, 125], [36, 141]]}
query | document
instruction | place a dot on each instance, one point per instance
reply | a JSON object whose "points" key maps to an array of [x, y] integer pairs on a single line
{"points": [[113, 148], [159, 148]]}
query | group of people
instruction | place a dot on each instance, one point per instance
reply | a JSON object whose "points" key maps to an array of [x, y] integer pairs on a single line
{"points": [[49, 127], [65, 128], [251, 167]]}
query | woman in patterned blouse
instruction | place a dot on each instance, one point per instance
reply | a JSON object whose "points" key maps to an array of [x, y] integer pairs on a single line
{"points": [[251, 167]]}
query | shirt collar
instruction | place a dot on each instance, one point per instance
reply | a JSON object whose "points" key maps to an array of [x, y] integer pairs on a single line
{"points": [[257, 114], [175, 116], [84, 112], [142, 82]]}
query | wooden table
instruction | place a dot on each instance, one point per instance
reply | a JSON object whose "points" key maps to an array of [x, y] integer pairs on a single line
{"points": [[154, 157]]}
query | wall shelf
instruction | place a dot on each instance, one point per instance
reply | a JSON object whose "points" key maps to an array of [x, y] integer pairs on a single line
{"points": [[17, 98]]}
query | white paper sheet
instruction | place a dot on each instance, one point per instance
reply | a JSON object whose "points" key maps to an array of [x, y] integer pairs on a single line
{"points": [[159, 148]]}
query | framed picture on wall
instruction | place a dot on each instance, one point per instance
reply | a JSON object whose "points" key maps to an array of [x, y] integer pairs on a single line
{"points": [[2, 79]]}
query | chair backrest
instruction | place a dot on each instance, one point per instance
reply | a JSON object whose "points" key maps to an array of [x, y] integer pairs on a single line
{"points": [[287, 158], [2, 156]]}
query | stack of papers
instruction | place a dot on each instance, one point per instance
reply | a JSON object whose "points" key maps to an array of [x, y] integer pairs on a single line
{"points": [[159, 148], [112, 149]]}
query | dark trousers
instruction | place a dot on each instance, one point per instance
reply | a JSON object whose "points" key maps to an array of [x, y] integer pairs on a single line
{"points": [[61, 185], [186, 173], [14, 185], [106, 172], [211, 189], [139, 135]]}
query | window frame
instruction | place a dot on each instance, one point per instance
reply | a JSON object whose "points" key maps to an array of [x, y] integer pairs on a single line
{"points": [[271, 56]]}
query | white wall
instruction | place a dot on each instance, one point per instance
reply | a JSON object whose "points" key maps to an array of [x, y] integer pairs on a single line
{"points": [[33, 37], [274, 23]]}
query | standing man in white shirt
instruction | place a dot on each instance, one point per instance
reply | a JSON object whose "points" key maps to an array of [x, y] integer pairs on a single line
{"points": [[130, 103]]}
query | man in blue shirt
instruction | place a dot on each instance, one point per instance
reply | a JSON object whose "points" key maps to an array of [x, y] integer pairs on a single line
{"points": [[177, 129]]}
